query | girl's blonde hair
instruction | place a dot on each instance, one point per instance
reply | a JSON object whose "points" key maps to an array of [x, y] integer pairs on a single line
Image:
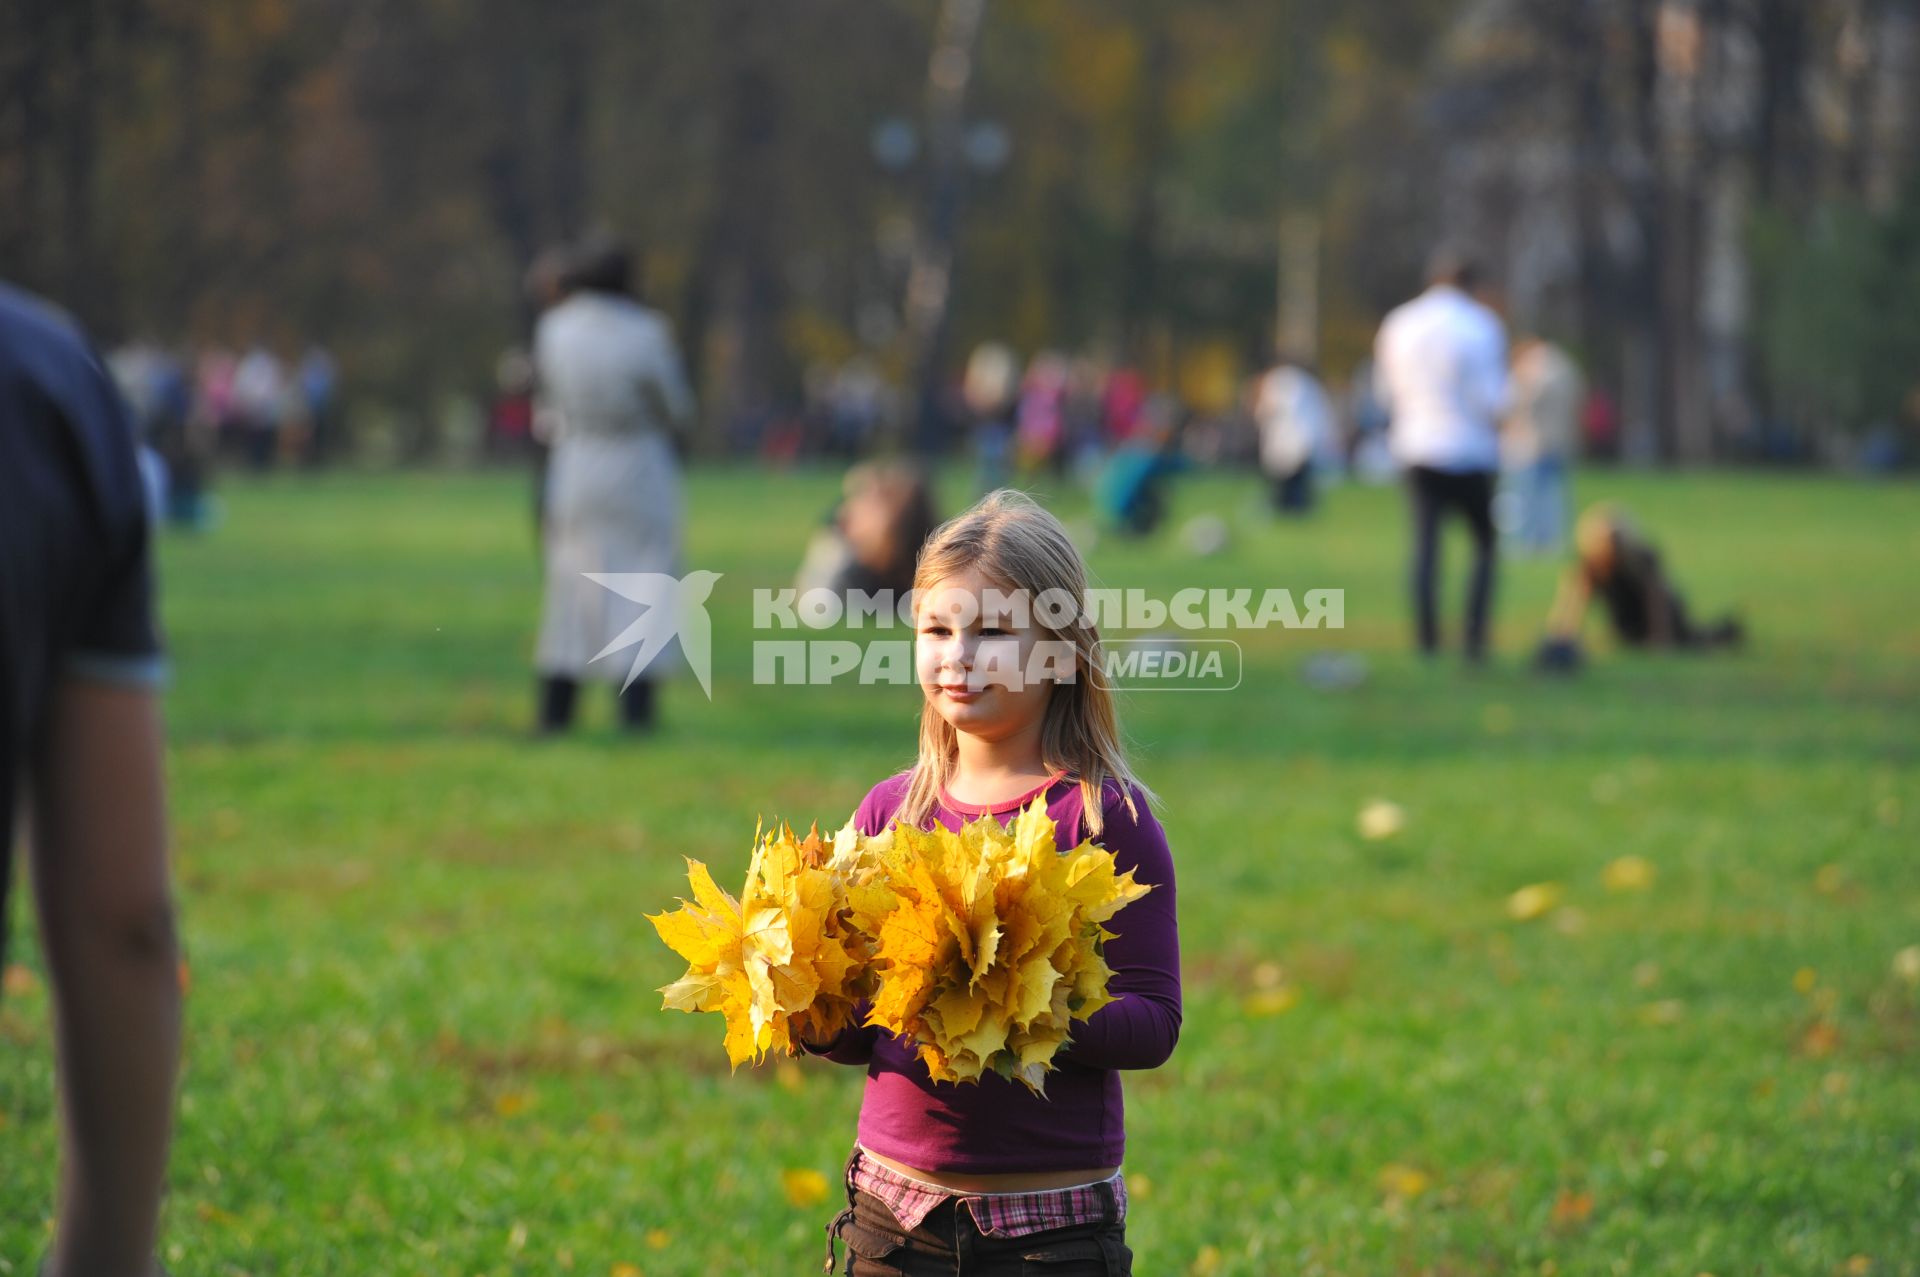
{"points": [[1019, 546]]}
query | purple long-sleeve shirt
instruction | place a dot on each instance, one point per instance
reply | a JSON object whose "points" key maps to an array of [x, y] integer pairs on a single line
{"points": [[996, 1126]]}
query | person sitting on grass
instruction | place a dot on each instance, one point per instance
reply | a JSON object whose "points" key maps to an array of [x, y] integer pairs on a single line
{"points": [[1131, 491], [870, 540], [1624, 569]]}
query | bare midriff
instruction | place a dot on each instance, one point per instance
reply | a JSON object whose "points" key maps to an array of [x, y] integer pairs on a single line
{"points": [[1018, 1182]]}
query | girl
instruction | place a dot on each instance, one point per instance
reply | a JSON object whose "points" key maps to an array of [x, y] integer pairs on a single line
{"points": [[988, 1178]]}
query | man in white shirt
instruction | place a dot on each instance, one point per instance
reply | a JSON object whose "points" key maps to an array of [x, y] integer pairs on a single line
{"points": [[1441, 366]]}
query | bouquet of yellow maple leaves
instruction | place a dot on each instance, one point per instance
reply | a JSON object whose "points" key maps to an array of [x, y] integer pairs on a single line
{"points": [[780, 962], [982, 945]]}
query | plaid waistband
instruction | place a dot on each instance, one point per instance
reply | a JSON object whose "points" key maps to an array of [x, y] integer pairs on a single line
{"points": [[995, 1214]]}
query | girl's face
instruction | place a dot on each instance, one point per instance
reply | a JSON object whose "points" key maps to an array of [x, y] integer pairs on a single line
{"points": [[975, 657]]}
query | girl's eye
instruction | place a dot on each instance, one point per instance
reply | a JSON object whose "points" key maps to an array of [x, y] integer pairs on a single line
{"points": [[937, 631], [991, 631]]}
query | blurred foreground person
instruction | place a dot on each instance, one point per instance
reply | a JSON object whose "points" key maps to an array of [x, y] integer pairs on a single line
{"points": [[80, 666], [1623, 569], [1537, 445], [885, 512], [1441, 367], [616, 398]]}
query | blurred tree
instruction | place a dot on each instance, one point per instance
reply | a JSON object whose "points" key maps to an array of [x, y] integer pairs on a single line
{"points": [[378, 174]]}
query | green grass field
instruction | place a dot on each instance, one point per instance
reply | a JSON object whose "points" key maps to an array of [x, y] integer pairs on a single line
{"points": [[424, 1035]]}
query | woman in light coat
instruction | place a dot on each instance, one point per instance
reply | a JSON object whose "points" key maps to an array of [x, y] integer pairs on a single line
{"points": [[615, 405]]}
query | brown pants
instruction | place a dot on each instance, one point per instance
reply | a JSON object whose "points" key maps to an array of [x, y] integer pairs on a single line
{"points": [[950, 1243]]}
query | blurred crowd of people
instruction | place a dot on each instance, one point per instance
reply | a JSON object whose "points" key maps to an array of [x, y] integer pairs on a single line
{"points": [[257, 407], [1107, 425]]}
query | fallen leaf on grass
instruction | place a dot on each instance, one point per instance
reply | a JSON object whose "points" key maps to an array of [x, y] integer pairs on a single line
{"points": [[1628, 873], [1906, 964], [1571, 1209], [625, 1270], [511, 1103], [658, 1239], [17, 981], [1820, 1040], [1534, 900], [1206, 1263], [1804, 979], [1381, 819], [1271, 1001], [804, 1187], [1396, 1179]]}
